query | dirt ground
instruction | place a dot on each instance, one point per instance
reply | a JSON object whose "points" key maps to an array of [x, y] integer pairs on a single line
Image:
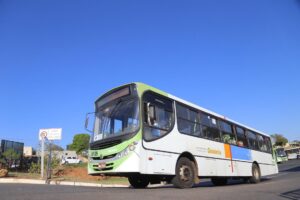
{"points": [[79, 173], [76, 173]]}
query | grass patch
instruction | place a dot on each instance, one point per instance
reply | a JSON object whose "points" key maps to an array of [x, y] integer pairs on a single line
{"points": [[80, 165], [25, 175]]}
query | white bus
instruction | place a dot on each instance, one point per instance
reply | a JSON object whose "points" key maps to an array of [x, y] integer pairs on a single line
{"points": [[149, 136], [293, 153]]}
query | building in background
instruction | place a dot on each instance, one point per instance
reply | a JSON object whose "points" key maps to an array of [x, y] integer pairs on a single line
{"points": [[14, 160], [16, 146]]}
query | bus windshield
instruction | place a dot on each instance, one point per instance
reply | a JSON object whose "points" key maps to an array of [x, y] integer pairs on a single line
{"points": [[280, 152], [115, 119]]}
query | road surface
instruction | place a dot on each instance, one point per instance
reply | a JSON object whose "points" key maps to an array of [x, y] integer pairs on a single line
{"points": [[285, 185]]}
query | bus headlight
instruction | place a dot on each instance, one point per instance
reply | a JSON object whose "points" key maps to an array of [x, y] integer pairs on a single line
{"points": [[131, 147]]}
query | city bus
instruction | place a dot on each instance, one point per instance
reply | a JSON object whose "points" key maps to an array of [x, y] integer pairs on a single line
{"points": [[150, 136], [280, 155], [293, 153]]}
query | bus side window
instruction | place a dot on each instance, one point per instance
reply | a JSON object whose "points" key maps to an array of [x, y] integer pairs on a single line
{"points": [[210, 128], [241, 137], [228, 135], [162, 117], [261, 143], [268, 144], [188, 120], [252, 140]]}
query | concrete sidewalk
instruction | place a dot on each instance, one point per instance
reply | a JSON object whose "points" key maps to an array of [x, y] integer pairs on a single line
{"points": [[58, 182]]}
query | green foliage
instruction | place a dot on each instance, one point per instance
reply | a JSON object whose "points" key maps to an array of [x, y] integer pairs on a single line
{"points": [[36, 167], [280, 140], [54, 162], [79, 165], [80, 142], [2, 162], [9, 157], [10, 154]]}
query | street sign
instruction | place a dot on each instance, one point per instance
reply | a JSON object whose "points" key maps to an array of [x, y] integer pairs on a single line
{"points": [[46, 135], [50, 133]]}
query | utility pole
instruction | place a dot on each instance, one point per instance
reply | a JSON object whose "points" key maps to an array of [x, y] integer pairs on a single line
{"points": [[42, 157]]}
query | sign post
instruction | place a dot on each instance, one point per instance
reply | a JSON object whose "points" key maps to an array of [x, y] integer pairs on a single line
{"points": [[48, 134]]}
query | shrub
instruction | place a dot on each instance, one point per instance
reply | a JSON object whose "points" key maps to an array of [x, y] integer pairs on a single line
{"points": [[36, 167]]}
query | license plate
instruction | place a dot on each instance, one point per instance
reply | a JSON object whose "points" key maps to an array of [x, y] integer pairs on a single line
{"points": [[101, 165]]}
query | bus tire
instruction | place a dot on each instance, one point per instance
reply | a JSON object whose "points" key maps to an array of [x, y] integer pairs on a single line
{"points": [[185, 173], [219, 181], [139, 181], [255, 178]]}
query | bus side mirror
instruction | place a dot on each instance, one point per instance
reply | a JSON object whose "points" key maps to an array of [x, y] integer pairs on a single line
{"points": [[150, 114], [86, 125], [86, 122]]}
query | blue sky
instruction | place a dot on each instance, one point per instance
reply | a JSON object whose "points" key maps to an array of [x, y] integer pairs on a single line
{"points": [[237, 58]]}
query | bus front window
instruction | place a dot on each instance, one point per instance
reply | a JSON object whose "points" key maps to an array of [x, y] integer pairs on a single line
{"points": [[115, 119], [280, 152]]}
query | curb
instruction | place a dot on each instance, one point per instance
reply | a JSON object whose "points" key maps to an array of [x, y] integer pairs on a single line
{"points": [[56, 182]]}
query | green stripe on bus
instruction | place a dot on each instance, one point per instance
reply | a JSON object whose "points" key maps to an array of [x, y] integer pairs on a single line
{"points": [[141, 87], [113, 150]]}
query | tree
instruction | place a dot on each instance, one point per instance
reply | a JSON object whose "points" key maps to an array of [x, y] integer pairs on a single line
{"points": [[2, 161], [10, 156], [280, 140], [80, 142]]}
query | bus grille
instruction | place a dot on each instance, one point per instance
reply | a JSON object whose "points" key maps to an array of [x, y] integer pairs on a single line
{"points": [[104, 145], [104, 157], [109, 166]]}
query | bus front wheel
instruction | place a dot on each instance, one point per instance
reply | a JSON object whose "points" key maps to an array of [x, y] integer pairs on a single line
{"points": [[185, 173], [139, 181]]}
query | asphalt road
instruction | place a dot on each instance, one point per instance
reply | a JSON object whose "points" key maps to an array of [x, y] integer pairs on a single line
{"points": [[285, 185]]}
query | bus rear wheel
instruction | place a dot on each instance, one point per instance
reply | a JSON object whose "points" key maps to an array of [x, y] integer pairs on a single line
{"points": [[219, 181], [139, 181], [185, 173], [255, 178]]}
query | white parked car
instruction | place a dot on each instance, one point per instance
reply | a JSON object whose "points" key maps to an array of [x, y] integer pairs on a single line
{"points": [[70, 160]]}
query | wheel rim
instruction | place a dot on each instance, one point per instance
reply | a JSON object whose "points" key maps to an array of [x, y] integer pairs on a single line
{"points": [[256, 174], [185, 173]]}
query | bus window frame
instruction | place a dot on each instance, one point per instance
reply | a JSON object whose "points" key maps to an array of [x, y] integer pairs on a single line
{"points": [[232, 131], [245, 137], [181, 118], [173, 116], [217, 126]]}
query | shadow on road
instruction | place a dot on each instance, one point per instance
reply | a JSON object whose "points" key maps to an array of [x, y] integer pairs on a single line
{"points": [[208, 183], [294, 194], [294, 169]]}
